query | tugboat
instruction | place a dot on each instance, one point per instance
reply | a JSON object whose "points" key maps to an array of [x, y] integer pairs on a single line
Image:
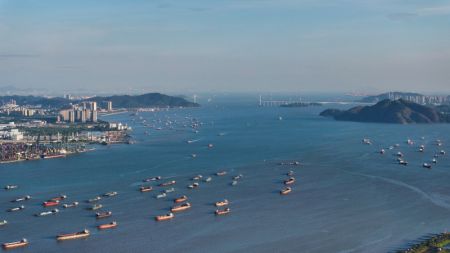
{"points": [[181, 199], [146, 188], [13, 245], [168, 183], [181, 207], [289, 181], [103, 215], [28, 197], [286, 191], [223, 212], [15, 209], [168, 216], [78, 235], [74, 204], [54, 211], [107, 226], [222, 203]]}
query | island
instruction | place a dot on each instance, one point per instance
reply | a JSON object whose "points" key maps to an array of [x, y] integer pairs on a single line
{"points": [[390, 111], [434, 243]]}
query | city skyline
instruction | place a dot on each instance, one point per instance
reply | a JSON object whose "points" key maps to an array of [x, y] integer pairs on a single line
{"points": [[251, 45]]}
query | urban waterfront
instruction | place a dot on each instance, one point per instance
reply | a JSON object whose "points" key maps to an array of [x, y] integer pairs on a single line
{"points": [[347, 198]]}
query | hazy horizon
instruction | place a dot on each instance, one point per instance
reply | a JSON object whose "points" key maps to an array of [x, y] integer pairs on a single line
{"points": [[182, 47]]}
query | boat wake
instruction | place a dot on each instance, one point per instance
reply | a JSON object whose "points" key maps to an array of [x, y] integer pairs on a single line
{"points": [[436, 199]]}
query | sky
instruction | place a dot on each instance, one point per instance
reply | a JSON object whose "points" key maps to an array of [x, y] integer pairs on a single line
{"points": [[181, 46]]}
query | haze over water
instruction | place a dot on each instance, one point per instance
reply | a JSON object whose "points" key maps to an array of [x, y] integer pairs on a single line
{"points": [[347, 198]]}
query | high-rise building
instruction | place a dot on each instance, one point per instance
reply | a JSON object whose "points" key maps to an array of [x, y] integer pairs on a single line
{"points": [[109, 106], [71, 116], [94, 106], [94, 116], [83, 116]]}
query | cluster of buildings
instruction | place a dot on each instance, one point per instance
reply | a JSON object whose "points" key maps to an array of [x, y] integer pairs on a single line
{"points": [[83, 112], [420, 99], [10, 132], [27, 111]]}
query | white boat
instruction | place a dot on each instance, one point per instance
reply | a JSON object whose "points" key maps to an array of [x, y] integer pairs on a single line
{"points": [[110, 194], [22, 199], [193, 186], [94, 199], [15, 209], [234, 183], [426, 165], [198, 177], [74, 204], [169, 190], [54, 211], [3, 223], [434, 160], [442, 152], [208, 179], [162, 195], [11, 187]]}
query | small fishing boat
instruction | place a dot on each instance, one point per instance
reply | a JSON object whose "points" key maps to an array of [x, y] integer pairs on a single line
{"points": [[367, 141], [54, 211], [146, 188], [382, 151], [95, 207], [168, 216], [210, 145], [289, 181], [402, 162], [28, 197], [286, 191], [15, 209], [234, 183], [221, 173], [74, 204], [50, 203], [169, 190], [442, 152], [223, 212], [222, 203], [59, 198], [193, 155], [181, 199], [181, 207], [434, 160], [103, 215], [238, 177], [11, 187], [152, 179], [198, 177], [107, 226], [161, 195], [193, 186], [94, 199], [168, 183], [3, 223], [399, 154], [290, 173], [208, 179], [110, 194], [78, 235], [426, 165], [13, 245]]}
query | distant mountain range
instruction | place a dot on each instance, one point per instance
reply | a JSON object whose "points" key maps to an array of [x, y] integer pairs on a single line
{"points": [[391, 111], [119, 101]]}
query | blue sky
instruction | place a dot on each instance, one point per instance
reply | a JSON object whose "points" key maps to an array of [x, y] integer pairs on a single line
{"points": [[226, 45]]}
